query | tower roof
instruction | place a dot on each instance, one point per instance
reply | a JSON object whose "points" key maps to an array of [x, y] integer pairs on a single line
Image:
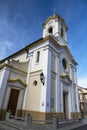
{"points": [[54, 17]]}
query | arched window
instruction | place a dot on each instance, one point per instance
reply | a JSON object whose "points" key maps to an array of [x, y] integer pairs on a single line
{"points": [[37, 56], [50, 30], [62, 34], [64, 63]]}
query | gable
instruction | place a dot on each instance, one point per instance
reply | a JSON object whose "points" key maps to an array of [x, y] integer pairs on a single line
{"points": [[65, 53]]}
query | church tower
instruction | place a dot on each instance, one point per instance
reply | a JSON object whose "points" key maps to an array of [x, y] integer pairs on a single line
{"points": [[56, 26]]}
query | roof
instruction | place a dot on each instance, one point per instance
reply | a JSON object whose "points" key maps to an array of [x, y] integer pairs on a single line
{"points": [[81, 88], [25, 49], [21, 50]]}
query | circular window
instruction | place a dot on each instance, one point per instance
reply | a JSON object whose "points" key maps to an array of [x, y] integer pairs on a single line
{"points": [[35, 83], [64, 63]]}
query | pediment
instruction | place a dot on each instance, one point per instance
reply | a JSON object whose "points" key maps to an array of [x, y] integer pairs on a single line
{"points": [[66, 78], [16, 82], [70, 55], [64, 54]]}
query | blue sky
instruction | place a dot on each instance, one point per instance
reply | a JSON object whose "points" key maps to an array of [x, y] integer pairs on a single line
{"points": [[21, 24]]}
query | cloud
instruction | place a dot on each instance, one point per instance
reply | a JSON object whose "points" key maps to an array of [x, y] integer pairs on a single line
{"points": [[8, 45], [82, 82], [5, 47]]}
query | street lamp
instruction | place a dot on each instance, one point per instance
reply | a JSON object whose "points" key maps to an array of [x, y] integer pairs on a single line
{"points": [[42, 78]]}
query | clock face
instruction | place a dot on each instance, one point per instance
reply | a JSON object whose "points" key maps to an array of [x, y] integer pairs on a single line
{"points": [[64, 63]]}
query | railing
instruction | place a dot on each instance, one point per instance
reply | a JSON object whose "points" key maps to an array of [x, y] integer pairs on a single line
{"points": [[27, 122], [17, 118], [42, 121]]}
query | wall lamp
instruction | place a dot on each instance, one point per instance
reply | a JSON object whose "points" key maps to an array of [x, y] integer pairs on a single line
{"points": [[42, 78]]}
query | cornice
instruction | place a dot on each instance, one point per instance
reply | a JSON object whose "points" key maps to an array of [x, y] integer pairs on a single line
{"points": [[50, 38], [24, 50], [72, 58], [17, 80], [11, 67], [38, 71]]}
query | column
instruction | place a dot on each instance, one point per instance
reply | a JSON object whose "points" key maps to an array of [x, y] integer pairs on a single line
{"points": [[3, 84], [61, 96], [58, 87], [73, 97], [76, 89], [46, 89], [69, 103], [72, 89]]}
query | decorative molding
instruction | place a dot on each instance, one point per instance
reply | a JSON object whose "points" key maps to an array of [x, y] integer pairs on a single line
{"points": [[39, 42], [17, 80], [11, 67], [66, 76], [38, 71]]}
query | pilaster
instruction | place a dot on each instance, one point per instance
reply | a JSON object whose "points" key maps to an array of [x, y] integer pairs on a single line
{"points": [[58, 89], [61, 96], [3, 84], [46, 88], [76, 89], [73, 97], [69, 103]]}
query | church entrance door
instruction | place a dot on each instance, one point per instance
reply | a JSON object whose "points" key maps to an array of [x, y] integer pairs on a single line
{"points": [[65, 104], [13, 99]]}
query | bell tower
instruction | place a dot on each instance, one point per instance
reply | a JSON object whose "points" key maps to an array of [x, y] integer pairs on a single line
{"points": [[56, 27]]}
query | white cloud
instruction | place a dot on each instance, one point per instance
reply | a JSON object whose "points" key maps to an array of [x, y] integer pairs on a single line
{"points": [[82, 82], [5, 47], [9, 45]]}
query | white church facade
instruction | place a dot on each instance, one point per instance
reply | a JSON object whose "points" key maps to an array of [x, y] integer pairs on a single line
{"points": [[41, 78]]}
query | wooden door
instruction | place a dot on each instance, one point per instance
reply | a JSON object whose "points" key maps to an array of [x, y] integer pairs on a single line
{"points": [[64, 104], [13, 99]]}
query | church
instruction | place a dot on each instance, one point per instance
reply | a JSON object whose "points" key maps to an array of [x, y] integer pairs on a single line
{"points": [[41, 78]]}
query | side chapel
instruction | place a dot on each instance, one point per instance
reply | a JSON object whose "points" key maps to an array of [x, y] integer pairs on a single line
{"points": [[41, 79]]}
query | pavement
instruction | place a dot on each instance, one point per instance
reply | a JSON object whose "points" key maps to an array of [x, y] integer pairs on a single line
{"points": [[74, 127], [6, 126], [81, 128]]}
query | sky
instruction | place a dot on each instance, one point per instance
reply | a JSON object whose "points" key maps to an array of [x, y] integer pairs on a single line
{"points": [[21, 24]]}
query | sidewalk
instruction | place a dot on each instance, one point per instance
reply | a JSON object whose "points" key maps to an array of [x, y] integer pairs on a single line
{"points": [[7, 126], [72, 127]]}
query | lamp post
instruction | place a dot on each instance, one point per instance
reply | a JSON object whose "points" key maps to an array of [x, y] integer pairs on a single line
{"points": [[42, 78]]}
